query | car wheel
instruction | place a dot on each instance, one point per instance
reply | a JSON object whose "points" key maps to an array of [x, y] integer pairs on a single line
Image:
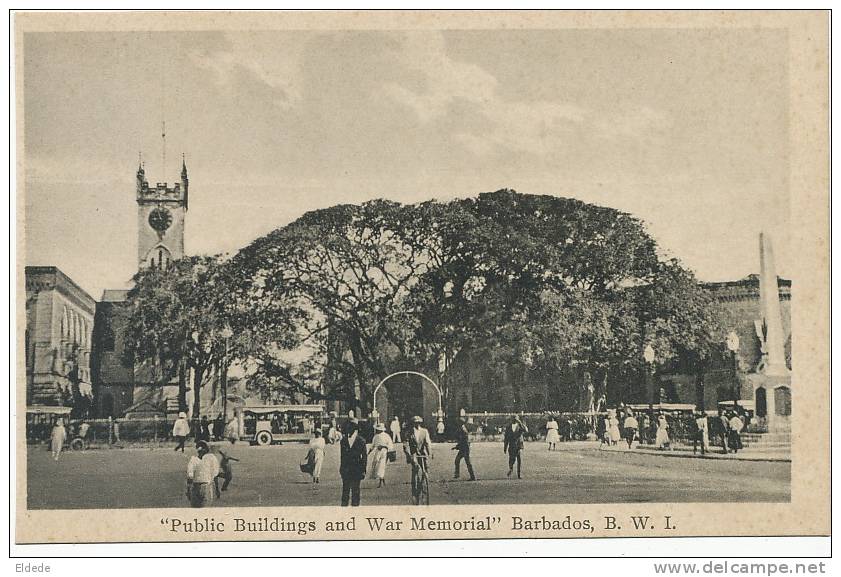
{"points": [[264, 438]]}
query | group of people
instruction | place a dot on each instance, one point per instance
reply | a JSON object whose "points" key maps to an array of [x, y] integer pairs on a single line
{"points": [[622, 424], [205, 430], [354, 453], [356, 456], [726, 428], [205, 472]]}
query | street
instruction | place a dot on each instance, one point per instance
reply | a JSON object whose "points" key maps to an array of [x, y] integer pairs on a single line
{"points": [[270, 476]]}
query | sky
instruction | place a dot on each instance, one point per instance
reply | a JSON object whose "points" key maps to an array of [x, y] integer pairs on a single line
{"points": [[686, 129]]}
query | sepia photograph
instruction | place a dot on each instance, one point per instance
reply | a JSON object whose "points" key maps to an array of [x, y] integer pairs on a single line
{"points": [[491, 273]]}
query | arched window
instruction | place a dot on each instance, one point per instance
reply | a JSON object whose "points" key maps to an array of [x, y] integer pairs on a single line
{"points": [[761, 402], [159, 257]]}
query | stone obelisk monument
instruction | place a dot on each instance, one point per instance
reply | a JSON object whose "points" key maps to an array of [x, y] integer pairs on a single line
{"points": [[771, 382], [773, 358]]}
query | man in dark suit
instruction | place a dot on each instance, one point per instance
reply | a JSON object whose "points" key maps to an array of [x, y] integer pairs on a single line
{"points": [[463, 448], [353, 462], [513, 444]]}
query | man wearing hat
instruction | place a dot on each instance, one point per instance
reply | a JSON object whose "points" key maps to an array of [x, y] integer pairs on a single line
{"points": [[180, 430], [417, 446], [463, 448], [352, 463], [513, 444], [202, 470]]}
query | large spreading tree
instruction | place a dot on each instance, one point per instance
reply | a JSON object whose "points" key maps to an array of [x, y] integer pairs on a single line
{"points": [[327, 306]]}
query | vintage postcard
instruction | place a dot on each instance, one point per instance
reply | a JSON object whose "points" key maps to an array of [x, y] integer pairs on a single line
{"points": [[421, 275]]}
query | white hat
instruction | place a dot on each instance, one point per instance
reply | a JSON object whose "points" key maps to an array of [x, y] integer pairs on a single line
{"points": [[379, 427], [182, 415]]}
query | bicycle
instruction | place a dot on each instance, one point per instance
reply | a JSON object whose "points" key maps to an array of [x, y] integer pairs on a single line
{"points": [[420, 484]]}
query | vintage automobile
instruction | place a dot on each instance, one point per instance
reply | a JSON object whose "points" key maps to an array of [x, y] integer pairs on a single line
{"points": [[267, 424]]}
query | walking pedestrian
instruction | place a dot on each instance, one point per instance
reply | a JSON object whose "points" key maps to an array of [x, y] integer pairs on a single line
{"points": [[381, 445], [231, 431], [204, 430], [439, 430], [395, 430], [645, 427], [180, 430], [631, 427], [662, 439], [736, 426], [513, 444], [57, 438], [553, 437], [463, 448], [352, 464], [317, 445], [601, 431], [701, 433], [333, 433], [613, 427], [723, 429], [202, 470]]}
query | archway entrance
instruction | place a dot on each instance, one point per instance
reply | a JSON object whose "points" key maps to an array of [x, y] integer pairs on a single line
{"points": [[403, 397]]}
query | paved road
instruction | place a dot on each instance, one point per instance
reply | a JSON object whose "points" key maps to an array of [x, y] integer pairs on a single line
{"points": [[579, 473]]}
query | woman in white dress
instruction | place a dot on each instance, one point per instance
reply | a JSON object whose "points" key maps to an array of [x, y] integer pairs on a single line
{"points": [[57, 438], [613, 430], [662, 438], [552, 435], [317, 447], [380, 446]]}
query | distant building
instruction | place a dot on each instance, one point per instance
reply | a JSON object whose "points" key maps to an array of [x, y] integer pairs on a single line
{"points": [[475, 385], [113, 377], [57, 339], [740, 301]]}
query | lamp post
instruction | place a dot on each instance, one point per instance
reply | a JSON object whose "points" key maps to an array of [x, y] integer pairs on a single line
{"points": [[733, 347], [226, 333], [648, 356]]}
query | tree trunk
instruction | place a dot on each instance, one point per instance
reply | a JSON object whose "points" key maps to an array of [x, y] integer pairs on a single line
{"points": [[361, 400], [182, 386], [197, 383]]}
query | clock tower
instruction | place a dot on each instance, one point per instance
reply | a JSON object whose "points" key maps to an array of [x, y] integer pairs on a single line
{"points": [[161, 212]]}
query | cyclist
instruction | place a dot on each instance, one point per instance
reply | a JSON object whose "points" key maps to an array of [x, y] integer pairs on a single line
{"points": [[418, 448]]}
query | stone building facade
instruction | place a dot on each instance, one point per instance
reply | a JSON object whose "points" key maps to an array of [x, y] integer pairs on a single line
{"points": [[120, 385], [726, 377], [57, 339], [161, 218]]}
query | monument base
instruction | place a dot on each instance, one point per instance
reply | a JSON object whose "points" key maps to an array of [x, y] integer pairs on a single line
{"points": [[772, 400]]}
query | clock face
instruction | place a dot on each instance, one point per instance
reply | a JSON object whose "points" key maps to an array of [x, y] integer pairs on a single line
{"points": [[160, 219]]}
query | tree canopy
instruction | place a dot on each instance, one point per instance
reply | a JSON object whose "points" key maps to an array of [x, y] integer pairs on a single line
{"points": [[546, 283], [325, 307]]}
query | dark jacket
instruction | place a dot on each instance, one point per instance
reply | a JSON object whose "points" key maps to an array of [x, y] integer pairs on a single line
{"points": [[354, 459], [514, 439], [463, 439]]}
